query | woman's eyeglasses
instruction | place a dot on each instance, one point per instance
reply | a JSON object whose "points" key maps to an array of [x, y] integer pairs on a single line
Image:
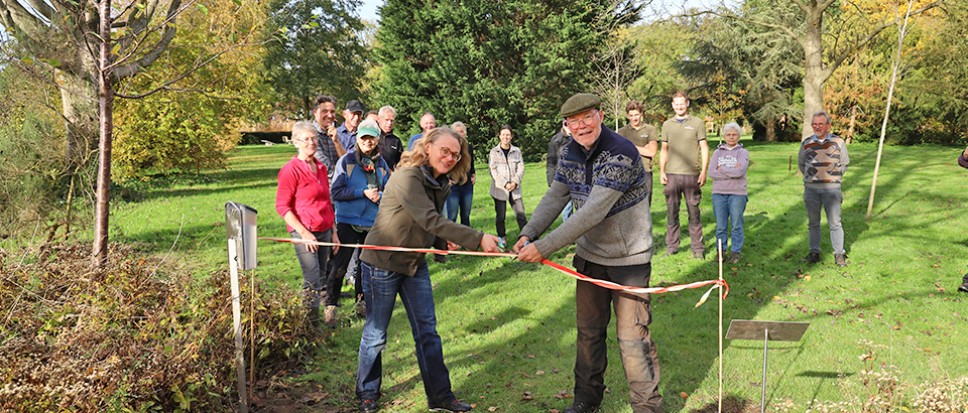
{"points": [[445, 152]]}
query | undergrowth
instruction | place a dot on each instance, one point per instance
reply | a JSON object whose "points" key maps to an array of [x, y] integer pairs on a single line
{"points": [[130, 337]]}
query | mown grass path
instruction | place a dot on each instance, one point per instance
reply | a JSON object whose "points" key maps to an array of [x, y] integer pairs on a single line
{"points": [[508, 327]]}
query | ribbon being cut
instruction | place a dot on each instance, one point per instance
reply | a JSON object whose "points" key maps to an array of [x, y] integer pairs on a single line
{"points": [[721, 284]]}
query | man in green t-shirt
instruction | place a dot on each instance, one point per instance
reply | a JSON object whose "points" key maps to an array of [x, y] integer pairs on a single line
{"points": [[683, 161], [644, 137]]}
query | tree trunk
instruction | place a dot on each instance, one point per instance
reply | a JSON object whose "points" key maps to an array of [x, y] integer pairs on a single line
{"points": [[79, 110], [770, 130], [99, 254], [814, 74], [853, 121]]}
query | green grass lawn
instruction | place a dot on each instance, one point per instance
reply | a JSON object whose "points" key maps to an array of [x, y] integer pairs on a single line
{"points": [[508, 327]]}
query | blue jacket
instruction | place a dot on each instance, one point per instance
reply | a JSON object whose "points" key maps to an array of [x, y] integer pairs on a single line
{"points": [[349, 181]]}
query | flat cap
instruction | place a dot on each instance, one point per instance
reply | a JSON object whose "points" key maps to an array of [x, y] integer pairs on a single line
{"points": [[579, 103], [355, 106]]}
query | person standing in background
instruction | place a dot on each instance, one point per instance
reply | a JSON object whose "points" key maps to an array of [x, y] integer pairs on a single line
{"points": [[506, 164], [462, 193], [644, 136], [391, 147], [328, 146], [555, 146], [823, 161], [304, 203], [427, 122], [963, 162], [683, 161], [357, 188], [727, 168], [352, 116]]}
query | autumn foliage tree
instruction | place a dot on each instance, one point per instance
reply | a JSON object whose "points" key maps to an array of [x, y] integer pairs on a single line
{"points": [[187, 126]]}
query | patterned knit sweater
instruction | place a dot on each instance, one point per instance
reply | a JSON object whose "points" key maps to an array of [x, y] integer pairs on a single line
{"points": [[823, 162], [611, 224]]}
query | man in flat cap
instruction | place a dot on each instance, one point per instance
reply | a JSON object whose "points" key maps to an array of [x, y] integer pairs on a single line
{"points": [[601, 173]]}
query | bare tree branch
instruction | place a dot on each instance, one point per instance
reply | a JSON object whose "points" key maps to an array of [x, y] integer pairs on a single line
{"points": [[133, 68]]}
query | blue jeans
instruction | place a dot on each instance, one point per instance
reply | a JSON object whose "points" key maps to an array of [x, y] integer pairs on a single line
{"points": [[461, 198], [567, 211], [830, 200], [380, 289], [729, 208], [313, 266]]}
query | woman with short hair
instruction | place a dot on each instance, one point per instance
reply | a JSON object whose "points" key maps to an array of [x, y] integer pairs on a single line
{"points": [[303, 201]]}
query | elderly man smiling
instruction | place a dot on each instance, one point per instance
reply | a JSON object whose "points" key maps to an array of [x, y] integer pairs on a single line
{"points": [[601, 173]]}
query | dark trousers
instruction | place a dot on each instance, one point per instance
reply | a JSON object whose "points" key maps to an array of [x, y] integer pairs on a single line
{"points": [[639, 356], [648, 187], [683, 186], [501, 209], [341, 261], [313, 266]]}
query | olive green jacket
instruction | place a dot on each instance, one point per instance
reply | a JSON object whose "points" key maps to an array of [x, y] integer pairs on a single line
{"points": [[409, 216]]}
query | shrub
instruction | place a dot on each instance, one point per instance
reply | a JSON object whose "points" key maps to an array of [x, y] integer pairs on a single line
{"points": [[32, 166], [128, 338]]}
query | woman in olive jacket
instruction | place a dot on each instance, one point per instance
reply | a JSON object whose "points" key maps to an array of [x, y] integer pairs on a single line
{"points": [[507, 170], [410, 216]]}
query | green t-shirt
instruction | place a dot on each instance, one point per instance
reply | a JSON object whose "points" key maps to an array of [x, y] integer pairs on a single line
{"points": [[683, 139], [640, 137]]}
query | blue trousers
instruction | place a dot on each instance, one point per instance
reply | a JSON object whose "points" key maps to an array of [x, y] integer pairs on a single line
{"points": [[461, 198], [380, 289], [729, 209]]}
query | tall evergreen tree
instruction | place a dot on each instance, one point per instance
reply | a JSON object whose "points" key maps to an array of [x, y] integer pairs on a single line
{"points": [[745, 69], [318, 48], [488, 63]]}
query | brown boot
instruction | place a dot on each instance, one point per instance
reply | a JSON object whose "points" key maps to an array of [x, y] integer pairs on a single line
{"points": [[329, 316], [361, 309]]}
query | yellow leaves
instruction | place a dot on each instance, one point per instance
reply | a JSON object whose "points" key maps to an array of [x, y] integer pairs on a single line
{"points": [[882, 10]]}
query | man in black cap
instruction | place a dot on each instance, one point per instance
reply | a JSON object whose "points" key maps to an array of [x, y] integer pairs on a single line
{"points": [[352, 115], [601, 174]]}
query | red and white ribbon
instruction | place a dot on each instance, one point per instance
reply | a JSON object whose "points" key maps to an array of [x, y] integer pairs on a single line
{"points": [[721, 284]]}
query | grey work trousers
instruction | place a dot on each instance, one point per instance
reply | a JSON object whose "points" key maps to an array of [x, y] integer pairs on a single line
{"points": [[639, 356], [683, 186], [830, 200]]}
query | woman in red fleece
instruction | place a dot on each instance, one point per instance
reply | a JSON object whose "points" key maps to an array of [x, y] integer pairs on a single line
{"points": [[303, 201]]}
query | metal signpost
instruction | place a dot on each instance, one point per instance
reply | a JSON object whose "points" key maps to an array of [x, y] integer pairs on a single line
{"points": [[767, 330], [240, 229]]}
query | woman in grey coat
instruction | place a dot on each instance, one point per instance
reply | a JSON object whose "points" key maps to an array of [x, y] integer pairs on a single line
{"points": [[507, 170]]}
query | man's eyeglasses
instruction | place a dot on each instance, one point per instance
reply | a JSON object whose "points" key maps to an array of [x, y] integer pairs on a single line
{"points": [[445, 152], [587, 120]]}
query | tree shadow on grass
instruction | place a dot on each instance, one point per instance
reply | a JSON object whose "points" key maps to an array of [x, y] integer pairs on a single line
{"points": [[688, 355]]}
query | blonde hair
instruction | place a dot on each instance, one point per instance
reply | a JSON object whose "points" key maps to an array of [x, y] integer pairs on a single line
{"points": [[418, 155]]}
